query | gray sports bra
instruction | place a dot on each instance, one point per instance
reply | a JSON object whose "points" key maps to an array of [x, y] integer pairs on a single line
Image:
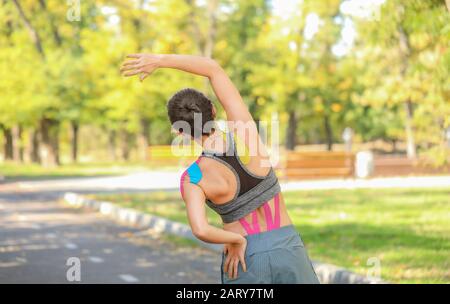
{"points": [[252, 190]]}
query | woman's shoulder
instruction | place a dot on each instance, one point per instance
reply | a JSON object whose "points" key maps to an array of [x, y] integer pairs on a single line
{"points": [[192, 175], [194, 172]]}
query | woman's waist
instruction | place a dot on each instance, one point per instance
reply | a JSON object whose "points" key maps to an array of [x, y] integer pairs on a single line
{"points": [[270, 215], [247, 202], [237, 226], [284, 237]]}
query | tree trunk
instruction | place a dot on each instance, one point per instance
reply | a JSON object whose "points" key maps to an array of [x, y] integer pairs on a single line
{"points": [[405, 52], [8, 148], [291, 132], [211, 35], [410, 140], [144, 138], [34, 146], [125, 145], [394, 145], [36, 39], [54, 137], [328, 132], [50, 142], [17, 143], [196, 32], [205, 43], [51, 20], [112, 144], [8, 24], [75, 130]]}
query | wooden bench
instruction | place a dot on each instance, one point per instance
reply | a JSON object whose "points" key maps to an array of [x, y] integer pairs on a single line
{"points": [[310, 165], [390, 165]]}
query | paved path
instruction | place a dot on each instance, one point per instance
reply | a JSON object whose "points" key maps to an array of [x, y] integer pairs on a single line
{"points": [[38, 235], [156, 180], [372, 183]]}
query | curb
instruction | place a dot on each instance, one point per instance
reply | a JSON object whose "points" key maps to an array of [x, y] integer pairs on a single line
{"points": [[327, 273]]}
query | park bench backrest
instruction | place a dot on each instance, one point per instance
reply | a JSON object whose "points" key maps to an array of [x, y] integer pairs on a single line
{"points": [[311, 164]]}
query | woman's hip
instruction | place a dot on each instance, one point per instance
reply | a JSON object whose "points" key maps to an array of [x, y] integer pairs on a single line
{"points": [[283, 237], [275, 256]]}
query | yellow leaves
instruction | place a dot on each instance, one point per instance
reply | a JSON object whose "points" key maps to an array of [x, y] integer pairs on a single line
{"points": [[332, 68], [419, 40], [221, 45], [261, 101], [343, 96], [318, 104], [345, 84], [356, 98], [429, 58], [336, 107], [284, 116]]}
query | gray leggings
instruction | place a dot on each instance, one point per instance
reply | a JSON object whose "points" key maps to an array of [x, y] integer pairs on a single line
{"points": [[274, 257]]}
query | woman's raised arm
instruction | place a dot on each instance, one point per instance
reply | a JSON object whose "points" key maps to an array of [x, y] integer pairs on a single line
{"points": [[226, 92]]}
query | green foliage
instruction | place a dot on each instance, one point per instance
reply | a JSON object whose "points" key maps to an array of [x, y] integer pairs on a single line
{"points": [[402, 56], [409, 44]]}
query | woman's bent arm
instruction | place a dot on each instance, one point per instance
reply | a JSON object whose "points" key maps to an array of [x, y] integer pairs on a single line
{"points": [[196, 212], [235, 244]]}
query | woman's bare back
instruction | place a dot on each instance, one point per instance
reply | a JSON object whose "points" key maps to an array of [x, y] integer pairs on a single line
{"points": [[220, 186]]}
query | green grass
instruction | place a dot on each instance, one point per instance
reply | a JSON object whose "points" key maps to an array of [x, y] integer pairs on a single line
{"points": [[408, 230], [13, 171]]}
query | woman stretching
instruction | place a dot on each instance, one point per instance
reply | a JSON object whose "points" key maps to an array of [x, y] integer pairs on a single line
{"points": [[260, 243]]}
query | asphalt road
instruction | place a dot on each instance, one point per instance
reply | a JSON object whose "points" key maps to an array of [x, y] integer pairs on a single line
{"points": [[41, 241]]}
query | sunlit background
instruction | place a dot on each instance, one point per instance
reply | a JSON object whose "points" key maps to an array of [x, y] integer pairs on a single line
{"points": [[360, 89]]}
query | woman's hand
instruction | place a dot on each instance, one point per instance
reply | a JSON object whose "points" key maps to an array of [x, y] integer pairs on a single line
{"points": [[235, 253], [142, 64]]}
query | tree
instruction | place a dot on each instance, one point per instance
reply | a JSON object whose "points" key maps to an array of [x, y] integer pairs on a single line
{"points": [[407, 42]]}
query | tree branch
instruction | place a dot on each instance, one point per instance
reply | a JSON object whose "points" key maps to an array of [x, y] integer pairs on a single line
{"points": [[31, 30]]}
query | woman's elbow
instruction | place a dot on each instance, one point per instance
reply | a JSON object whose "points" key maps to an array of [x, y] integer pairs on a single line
{"points": [[213, 63], [199, 231], [214, 67]]}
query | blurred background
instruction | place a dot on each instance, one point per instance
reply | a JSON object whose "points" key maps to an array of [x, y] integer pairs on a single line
{"points": [[359, 88], [378, 67]]}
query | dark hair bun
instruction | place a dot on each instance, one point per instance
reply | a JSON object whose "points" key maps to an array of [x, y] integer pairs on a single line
{"points": [[185, 103], [192, 107]]}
